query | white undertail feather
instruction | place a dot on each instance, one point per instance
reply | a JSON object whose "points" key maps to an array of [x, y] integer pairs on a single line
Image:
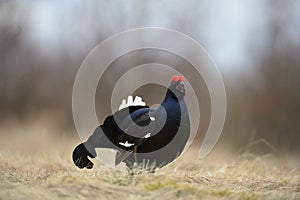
{"points": [[148, 135], [138, 101], [126, 144]]}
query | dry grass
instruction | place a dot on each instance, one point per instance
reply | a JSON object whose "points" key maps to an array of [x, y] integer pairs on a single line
{"points": [[36, 166]]}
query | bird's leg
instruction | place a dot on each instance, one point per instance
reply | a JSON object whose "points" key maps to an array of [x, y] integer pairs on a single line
{"points": [[135, 153]]}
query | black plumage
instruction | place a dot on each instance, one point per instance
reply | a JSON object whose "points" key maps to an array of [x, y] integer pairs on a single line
{"points": [[142, 135]]}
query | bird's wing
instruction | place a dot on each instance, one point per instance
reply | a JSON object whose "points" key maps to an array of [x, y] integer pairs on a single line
{"points": [[129, 124], [136, 119], [128, 127], [143, 124], [110, 128], [137, 125]]}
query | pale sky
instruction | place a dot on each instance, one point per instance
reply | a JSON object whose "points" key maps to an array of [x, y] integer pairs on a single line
{"points": [[224, 27]]}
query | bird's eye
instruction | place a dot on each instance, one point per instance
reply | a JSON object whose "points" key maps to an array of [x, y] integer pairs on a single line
{"points": [[180, 87]]}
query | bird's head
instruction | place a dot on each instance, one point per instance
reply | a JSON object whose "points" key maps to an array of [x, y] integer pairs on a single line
{"points": [[177, 87]]}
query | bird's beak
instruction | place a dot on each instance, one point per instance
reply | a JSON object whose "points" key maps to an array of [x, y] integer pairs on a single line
{"points": [[180, 86]]}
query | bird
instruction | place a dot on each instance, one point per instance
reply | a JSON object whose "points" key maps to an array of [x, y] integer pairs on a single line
{"points": [[141, 134]]}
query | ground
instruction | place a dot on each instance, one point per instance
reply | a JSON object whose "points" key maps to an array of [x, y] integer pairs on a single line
{"points": [[38, 166]]}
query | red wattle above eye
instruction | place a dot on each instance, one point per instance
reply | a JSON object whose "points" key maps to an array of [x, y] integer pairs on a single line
{"points": [[177, 78]]}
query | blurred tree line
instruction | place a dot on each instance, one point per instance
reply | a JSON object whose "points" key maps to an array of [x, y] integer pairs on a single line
{"points": [[265, 101], [263, 98]]}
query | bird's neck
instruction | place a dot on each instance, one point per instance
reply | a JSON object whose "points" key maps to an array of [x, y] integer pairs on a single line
{"points": [[170, 96]]}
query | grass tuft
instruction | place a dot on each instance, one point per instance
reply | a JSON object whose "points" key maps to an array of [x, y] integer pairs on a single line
{"points": [[32, 170]]}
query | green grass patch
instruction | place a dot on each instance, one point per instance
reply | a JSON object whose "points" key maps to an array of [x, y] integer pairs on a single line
{"points": [[161, 184]]}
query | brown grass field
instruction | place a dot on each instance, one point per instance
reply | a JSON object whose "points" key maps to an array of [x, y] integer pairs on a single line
{"points": [[35, 165]]}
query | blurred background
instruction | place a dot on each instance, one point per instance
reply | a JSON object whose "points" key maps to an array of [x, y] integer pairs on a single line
{"points": [[254, 43]]}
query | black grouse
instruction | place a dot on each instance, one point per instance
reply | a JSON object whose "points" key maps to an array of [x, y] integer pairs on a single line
{"points": [[142, 135]]}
